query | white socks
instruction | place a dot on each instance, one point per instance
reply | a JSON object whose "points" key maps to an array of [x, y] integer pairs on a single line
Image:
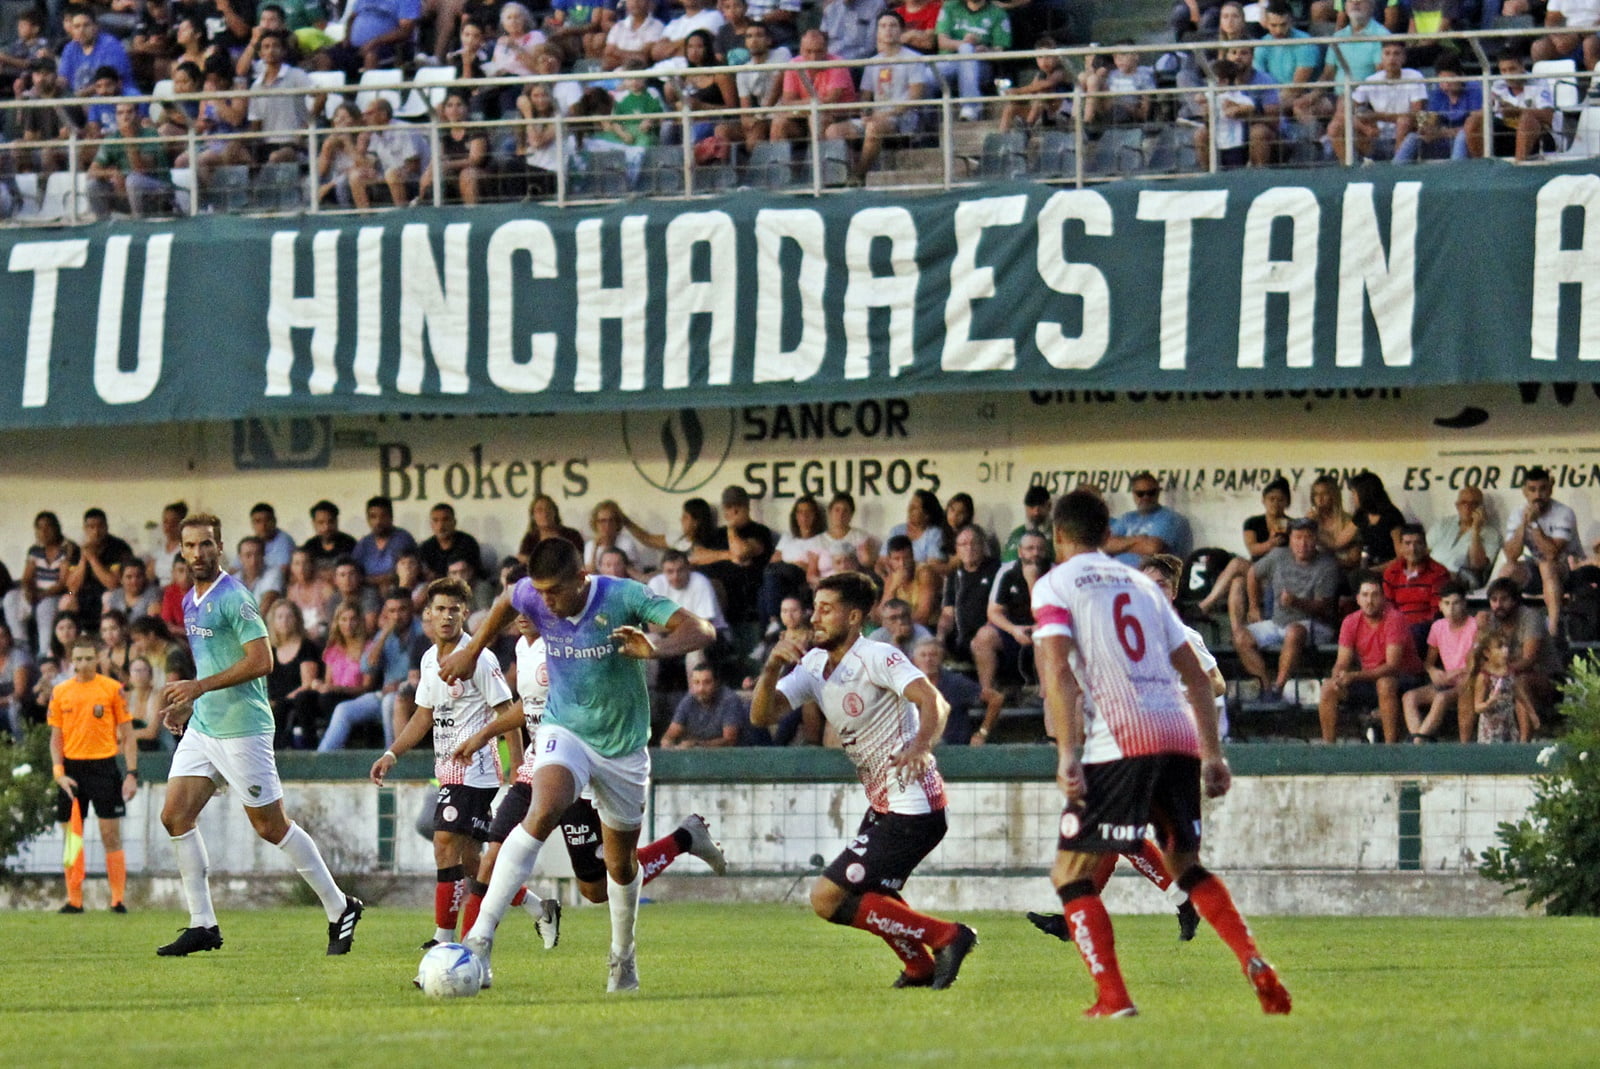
{"points": [[624, 903], [303, 854], [512, 868], [193, 865]]}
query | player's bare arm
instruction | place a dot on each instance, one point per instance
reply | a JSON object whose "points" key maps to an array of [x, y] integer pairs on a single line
{"points": [[58, 757], [464, 662], [256, 663], [686, 633], [1215, 776], [768, 705], [1062, 711], [130, 760], [932, 711], [416, 729], [508, 718]]}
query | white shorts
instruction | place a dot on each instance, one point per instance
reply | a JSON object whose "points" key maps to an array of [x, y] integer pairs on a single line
{"points": [[617, 784], [1270, 636], [245, 764]]}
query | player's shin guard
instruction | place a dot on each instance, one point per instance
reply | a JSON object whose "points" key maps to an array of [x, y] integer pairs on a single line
{"points": [[655, 857], [193, 868], [302, 852], [1153, 867], [512, 868], [448, 889], [1090, 927], [1211, 898], [474, 902], [623, 898], [117, 874]]}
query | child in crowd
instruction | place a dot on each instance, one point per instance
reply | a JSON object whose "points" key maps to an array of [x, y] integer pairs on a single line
{"points": [[1451, 639], [1504, 712], [1051, 77]]}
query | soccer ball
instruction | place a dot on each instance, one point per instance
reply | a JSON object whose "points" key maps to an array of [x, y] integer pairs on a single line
{"points": [[449, 971]]}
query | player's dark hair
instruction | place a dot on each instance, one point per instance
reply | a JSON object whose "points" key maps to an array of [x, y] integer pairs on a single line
{"points": [[398, 595], [855, 590], [86, 644], [1280, 484], [261, 506], [554, 558], [513, 571], [1036, 495], [1169, 566], [672, 556], [1536, 474], [843, 495], [898, 543], [55, 521], [1454, 588], [449, 587], [93, 514], [151, 626], [203, 519], [1362, 578], [325, 506], [445, 507], [698, 509], [887, 14], [341, 561], [1082, 518], [609, 550], [381, 502], [1413, 529], [180, 507]]}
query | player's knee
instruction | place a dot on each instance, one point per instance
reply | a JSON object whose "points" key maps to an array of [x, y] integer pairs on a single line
{"points": [[593, 891], [826, 898]]}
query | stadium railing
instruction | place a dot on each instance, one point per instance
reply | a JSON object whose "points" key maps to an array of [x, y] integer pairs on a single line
{"points": [[954, 154]]}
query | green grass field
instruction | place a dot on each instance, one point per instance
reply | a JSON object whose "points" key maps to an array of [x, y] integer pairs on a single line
{"points": [[773, 986]]}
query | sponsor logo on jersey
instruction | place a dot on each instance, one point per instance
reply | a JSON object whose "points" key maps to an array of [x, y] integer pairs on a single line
{"points": [[853, 704], [247, 611], [201, 632], [1122, 833], [99, 711]]}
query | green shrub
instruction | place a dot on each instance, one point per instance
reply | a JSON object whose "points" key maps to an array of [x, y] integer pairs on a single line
{"points": [[27, 793], [1552, 855]]}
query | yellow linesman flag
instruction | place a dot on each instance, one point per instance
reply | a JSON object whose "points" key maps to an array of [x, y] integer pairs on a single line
{"points": [[72, 849]]}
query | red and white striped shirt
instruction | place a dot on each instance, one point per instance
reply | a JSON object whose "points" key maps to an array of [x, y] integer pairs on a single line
{"points": [[533, 687], [1123, 632]]}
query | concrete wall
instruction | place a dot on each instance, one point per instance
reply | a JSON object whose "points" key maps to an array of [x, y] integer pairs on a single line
{"points": [[1288, 844]]}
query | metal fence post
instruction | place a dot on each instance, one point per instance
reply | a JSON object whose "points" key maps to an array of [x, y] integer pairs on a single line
{"points": [[72, 175], [435, 164], [314, 182]]}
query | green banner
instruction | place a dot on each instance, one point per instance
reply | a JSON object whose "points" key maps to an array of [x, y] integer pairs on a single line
{"points": [[1386, 276]]}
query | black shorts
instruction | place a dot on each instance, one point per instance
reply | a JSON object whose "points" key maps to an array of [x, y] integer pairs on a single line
{"points": [[887, 847], [1125, 797], [1363, 693], [580, 827], [100, 782], [464, 810]]}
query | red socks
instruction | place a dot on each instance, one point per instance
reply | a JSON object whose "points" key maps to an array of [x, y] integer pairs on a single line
{"points": [[655, 857], [1090, 927], [516, 900], [1148, 860], [908, 933], [1103, 870], [1213, 902], [449, 889], [469, 911]]}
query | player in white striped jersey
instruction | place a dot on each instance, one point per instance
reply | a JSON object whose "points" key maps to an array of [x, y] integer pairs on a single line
{"points": [[454, 712], [1162, 569], [888, 716], [1148, 731], [580, 824]]}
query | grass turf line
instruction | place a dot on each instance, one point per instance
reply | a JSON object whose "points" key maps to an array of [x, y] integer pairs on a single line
{"points": [[758, 985]]}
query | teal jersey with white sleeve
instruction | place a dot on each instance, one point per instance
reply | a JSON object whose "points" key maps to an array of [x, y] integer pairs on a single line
{"points": [[219, 625], [595, 692]]}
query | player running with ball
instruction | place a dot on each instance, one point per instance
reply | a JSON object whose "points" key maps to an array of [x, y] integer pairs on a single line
{"points": [[468, 778], [888, 716], [580, 824], [595, 728], [1148, 731]]}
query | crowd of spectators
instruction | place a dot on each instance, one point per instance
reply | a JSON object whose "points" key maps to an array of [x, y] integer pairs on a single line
{"points": [[1384, 597], [1408, 104]]}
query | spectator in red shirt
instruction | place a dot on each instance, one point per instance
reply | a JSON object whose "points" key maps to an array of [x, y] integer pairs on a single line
{"points": [[834, 85], [1377, 662], [1413, 581], [921, 19]]}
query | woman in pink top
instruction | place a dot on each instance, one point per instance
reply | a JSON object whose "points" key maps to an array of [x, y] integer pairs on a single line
{"points": [[342, 675], [1450, 642]]}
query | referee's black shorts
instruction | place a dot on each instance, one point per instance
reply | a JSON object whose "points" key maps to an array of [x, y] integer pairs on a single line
{"points": [[99, 782]]}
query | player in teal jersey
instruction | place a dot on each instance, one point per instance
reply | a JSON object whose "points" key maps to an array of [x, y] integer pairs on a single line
{"points": [[595, 727], [225, 727]]}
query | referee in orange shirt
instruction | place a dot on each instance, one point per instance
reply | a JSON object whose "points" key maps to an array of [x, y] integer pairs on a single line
{"points": [[89, 721]]}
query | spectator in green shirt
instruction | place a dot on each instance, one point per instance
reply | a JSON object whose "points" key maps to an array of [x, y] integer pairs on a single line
{"points": [[969, 27], [128, 174]]}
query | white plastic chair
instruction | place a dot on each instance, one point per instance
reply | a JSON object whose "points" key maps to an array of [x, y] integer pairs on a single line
{"points": [[420, 101], [1566, 88], [329, 82], [162, 91], [372, 81]]}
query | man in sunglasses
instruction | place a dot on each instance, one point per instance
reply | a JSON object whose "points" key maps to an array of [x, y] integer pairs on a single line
{"points": [[1150, 528]]}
